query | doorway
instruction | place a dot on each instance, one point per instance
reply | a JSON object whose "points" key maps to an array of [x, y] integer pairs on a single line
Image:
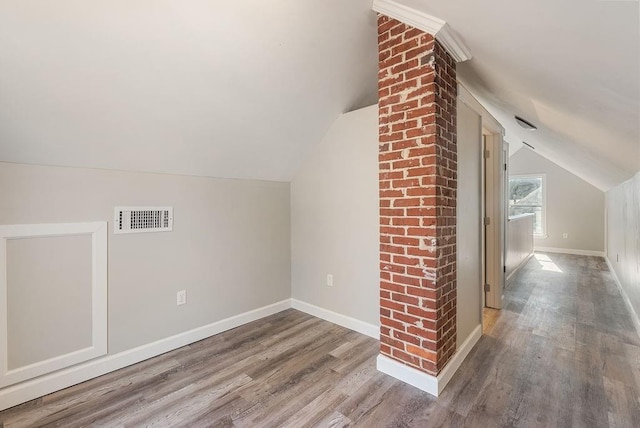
{"points": [[495, 217], [495, 179], [481, 217]]}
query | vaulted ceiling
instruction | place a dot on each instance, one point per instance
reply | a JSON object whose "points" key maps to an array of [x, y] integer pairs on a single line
{"points": [[240, 89], [572, 67], [245, 89]]}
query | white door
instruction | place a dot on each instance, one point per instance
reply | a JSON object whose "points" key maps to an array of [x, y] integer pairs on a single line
{"points": [[495, 219]]}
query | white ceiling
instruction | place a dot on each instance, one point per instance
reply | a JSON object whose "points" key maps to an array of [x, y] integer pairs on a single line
{"points": [[245, 89], [240, 89], [572, 67]]}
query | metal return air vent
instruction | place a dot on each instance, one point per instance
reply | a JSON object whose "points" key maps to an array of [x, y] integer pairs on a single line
{"points": [[142, 219]]}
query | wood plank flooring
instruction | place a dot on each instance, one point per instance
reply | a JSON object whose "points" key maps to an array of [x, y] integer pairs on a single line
{"points": [[562, 353]]}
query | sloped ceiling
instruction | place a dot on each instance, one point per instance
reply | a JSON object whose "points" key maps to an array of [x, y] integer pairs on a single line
{"points": [[572, 67], [239, 89], [244, 89]]}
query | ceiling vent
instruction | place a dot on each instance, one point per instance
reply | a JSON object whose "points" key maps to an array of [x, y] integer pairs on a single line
{"points": [[525, 124], [142, 219]]}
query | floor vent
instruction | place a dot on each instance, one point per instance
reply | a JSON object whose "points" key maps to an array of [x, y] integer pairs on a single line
{"points": [[142, 219]]}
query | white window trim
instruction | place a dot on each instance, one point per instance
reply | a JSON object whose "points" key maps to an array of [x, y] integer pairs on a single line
{"points": [[543, 176]]}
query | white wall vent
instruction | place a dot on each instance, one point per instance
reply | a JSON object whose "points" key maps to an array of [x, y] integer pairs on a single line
{"points": [[142, 219]]}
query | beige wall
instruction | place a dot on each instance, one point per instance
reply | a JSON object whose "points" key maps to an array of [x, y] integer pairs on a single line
{"points": [[48, 298], [334, 214], [469, 217], [229, 249], [573, 205], [623, 237], [519, 242]]}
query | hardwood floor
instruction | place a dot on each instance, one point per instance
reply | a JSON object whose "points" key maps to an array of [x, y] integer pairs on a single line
{"points": [[562, 353]]}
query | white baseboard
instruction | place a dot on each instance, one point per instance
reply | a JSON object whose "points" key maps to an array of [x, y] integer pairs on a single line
{"points": [[569, 251], [434, 385], [625, 297], [25, 391], [406, 374], [456, 361], [367, 329]]}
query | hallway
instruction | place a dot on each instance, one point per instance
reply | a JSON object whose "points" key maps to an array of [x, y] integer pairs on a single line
{"points": [[563, 353], [564, 350]]}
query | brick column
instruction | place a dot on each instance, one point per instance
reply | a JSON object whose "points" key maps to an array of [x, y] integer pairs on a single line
{"points": [[417, 94]]}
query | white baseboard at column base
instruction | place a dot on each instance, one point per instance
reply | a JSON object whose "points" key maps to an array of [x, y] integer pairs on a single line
{"points": [[456, 361], [434, 385], [46, 384], [569, 251], [414, 377]]}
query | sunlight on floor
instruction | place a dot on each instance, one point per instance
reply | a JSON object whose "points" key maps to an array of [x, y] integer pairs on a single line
{"points": [[546, 263]]}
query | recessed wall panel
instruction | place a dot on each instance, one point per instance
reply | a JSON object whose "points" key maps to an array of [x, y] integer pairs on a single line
{"points": [[48, 298]]}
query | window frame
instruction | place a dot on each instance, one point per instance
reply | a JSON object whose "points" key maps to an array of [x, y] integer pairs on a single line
{"points": [[543, 214]]}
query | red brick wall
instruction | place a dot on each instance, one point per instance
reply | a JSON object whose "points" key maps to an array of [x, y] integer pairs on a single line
{"points": [[417, 94]]}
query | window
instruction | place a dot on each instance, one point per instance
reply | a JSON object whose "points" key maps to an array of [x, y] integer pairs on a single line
{"points": [[527, 195]]}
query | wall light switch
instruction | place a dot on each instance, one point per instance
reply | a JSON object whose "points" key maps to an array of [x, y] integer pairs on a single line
{"points": [[565, 235]]}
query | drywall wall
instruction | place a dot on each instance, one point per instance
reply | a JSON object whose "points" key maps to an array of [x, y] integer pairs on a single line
{"points": [[519, 243], [623, 238], [334, 215], [573, 206], [48, 292], [334, 220], [469, 217], [229, 248]]}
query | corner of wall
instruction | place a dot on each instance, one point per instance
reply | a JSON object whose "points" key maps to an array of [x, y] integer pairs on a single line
{"points": [[334, 220]]}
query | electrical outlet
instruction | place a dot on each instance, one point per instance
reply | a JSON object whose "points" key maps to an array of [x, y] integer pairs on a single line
{"points": [[330, 280], [565, 235], [181, 297]]}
